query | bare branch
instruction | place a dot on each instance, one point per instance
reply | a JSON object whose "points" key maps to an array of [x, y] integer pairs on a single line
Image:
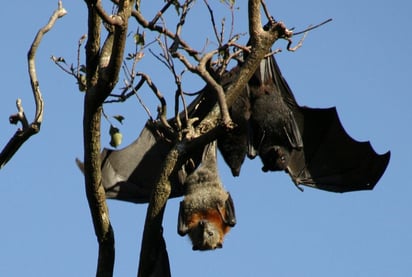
{"points": [[163, 108], [202, 71], [160, 13], [305, 33], [185, 10], [58, 61], [300, 43], [160, 29], [260, 42], [142, 103], [31, 55], [100, 83], [73, 71], [255, 23], [154, 216], [167, 59], [179, 94], [227, 122], [212, 18], [20, 116], [79, 44], [313, 27], [266, 10], [114, 20], [28, 130]]}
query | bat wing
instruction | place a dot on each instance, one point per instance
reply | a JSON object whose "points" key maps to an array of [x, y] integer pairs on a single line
{"points": [[129, 174], [330, 159]]}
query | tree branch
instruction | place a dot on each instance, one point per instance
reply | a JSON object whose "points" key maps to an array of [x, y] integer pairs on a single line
{"points": [[102, 71], [162, 110], [109, 19], [28, 130], [154, 216], [146, 24]]}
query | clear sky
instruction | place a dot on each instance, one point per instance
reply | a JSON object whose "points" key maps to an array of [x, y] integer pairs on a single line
{"points": [[360, 63]]}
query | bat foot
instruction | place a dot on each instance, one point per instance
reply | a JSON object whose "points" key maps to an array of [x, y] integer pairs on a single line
{"points": [[228, 124]]}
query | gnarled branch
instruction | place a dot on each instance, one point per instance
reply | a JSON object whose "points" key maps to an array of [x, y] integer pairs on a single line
{"points": [[27, 130], [102, 70]]}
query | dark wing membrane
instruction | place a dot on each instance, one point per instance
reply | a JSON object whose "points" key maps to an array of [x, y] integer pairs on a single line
{"points": [[129, 174], [273, 70], [331, 160]]}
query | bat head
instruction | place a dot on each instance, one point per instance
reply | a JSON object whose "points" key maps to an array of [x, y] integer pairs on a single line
{"points": [[275, 158], [206, 236], [207, 227]]}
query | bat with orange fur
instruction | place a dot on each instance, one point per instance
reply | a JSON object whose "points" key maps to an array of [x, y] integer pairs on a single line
{"points": [[207, 212]]}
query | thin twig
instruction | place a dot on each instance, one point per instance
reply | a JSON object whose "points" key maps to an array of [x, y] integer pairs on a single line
{"points": [[160, 13], [143, 105], [81, 40], [163, 107], [313, 27], [266, 10], [300, 43], [114, 20], [30, 129], [58, 61], [160, 29], [212, 18]]}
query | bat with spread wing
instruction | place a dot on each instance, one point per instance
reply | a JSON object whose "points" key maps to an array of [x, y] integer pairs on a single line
{"points": [[129, 174], [309, 144]]}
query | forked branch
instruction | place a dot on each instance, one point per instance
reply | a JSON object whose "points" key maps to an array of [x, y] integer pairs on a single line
{"points": [[28, 130]]}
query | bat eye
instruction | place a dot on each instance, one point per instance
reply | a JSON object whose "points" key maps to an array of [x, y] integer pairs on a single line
{"points": [[210, 233]]}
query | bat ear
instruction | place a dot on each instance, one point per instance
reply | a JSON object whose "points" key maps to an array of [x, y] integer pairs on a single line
{"points": [[230, 217], [182, 228]]}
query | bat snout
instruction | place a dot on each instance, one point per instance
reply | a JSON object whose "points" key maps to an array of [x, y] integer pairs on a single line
{"points": [[274, 158], [206, 236]]}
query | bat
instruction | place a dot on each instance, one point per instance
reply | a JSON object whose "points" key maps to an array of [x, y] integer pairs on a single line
{"points": [[309, 144], [129, 174], [207, 212], [233, 144]]}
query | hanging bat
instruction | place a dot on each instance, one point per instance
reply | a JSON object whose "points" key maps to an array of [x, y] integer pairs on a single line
{"points": [[234, 144], [207, 212], [129, 174], [309, 144]]}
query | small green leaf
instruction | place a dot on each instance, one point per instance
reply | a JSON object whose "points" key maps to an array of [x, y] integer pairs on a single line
{"points": [[139, 39], [115, 136]]}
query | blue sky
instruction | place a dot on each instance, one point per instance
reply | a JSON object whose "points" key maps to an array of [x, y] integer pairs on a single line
{"points": [[360, 63]]}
